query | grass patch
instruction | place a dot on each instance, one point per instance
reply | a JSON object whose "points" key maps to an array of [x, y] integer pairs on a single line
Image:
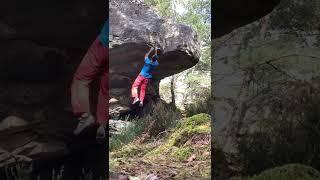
{"points": [[202, 104], [182, 153], [128, 134]]}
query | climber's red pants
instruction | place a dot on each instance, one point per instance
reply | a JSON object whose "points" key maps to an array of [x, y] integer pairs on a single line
{"points": [[141, 82], [93, 65]]}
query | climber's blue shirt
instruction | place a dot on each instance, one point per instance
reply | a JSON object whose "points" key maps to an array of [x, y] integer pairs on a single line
{"points": [[104, 34], [148, 67]]}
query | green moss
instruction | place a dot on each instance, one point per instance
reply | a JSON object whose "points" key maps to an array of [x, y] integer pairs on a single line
{"points": [[197, 124], [289, 172], [198, 119], [182, 153], [113, 164], [206, 173], [130, 151]]}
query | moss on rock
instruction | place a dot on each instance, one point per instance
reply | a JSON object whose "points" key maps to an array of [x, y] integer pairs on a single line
{"points": [[195, 125], [289, 172]]}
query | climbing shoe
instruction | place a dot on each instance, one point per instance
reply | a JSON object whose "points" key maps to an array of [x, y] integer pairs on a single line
{"points": [[141, 104], [85, 121], [136, 100], [101, 134]]}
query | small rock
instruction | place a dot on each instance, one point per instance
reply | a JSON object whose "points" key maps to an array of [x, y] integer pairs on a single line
{"points": [[12, 122], [113, 100], [152, 177], [191, 158], [6, 31], [123, 177]]}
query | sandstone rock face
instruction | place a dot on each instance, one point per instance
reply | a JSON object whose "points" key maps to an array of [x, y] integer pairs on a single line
{"points": [[134, 26], [254, 63]]}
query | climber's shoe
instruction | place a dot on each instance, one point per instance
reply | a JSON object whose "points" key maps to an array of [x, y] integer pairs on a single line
{"points": [[141, 104], [135, 101], [101, 134], [85, 121]]}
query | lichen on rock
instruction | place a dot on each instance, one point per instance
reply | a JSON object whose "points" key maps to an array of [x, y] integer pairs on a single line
{"points": [[288, 172]]}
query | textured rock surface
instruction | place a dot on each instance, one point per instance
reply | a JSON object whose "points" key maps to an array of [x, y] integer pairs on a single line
{"points": [[253, 63], [115, 126], [289, 171], [134, 26]]}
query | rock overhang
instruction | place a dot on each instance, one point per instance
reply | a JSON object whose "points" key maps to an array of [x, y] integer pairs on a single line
{"points": [[134, 29], [232, 14]]}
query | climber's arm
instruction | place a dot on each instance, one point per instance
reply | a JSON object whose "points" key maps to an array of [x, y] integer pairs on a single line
{"points": [[156, 51], [147, 54]]}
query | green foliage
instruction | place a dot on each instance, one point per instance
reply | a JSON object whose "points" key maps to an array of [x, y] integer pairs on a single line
{"points": [[202, 103], [163, 6], [128, 134], [289, 134], [198, 16], [289, 172], [182, 153], [164, 116]]}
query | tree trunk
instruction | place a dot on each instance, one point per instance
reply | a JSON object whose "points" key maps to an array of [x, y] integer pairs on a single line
{"points": [[172, 87]]}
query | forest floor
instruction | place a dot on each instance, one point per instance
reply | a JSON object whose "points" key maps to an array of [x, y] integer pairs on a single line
{"points": [[184, 152]]}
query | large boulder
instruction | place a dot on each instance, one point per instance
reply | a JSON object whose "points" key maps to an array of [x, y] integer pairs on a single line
{"points": [[133, 27], [256, 66]]}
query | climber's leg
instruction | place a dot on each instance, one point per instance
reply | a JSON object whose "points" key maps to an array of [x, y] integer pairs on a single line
{"points": [[135, 86], [143, 90], [102, 106], [87, 71]]}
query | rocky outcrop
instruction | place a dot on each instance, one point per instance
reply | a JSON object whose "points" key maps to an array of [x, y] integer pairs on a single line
{"points": [[42, 43], [133, 27], [255, 66]]}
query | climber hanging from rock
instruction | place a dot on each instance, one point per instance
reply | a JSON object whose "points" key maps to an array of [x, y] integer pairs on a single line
{"points": [[94, 65], [144, 77]]}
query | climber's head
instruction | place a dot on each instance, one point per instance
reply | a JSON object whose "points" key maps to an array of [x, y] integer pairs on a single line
{"points": [[155, 57]]}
